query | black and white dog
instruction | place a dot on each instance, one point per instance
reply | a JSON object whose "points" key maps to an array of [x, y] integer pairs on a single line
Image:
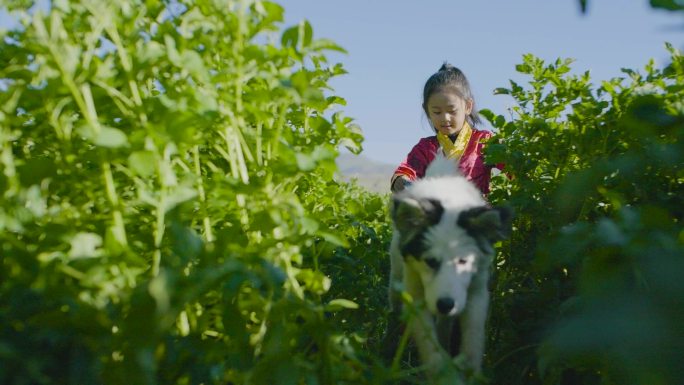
{"points": [[441, 251]]}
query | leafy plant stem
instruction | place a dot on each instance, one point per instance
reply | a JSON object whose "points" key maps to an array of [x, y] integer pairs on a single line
{"points": [[259, 144], [206, 221], [7, 160], [400, 350], [279, 126], [159, 229], [118, 222], [233, 153]]}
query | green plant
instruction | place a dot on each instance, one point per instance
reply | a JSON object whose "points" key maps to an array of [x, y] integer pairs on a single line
{"points": [[168, 198], [597, 187], [170, 212]]}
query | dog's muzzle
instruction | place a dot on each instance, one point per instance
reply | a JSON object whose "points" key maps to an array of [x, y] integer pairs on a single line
{"points": [[445, 305]]}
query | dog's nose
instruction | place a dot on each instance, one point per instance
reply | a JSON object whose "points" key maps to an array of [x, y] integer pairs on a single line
{"points": [[445, 304]]}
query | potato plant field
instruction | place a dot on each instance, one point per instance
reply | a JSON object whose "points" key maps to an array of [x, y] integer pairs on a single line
{"points": [[171, 212]]}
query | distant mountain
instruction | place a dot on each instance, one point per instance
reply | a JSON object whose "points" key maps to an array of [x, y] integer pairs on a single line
{"points": [[373, 175]]}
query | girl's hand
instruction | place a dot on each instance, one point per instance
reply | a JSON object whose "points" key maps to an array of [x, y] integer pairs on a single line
{"points": [[400, 183]]}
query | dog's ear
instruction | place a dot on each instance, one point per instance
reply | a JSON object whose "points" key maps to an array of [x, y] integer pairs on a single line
{"points": [[411, 214], [493, 223]]}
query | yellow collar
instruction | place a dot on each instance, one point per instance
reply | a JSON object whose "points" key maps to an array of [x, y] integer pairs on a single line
{"points": [[455, 150]]}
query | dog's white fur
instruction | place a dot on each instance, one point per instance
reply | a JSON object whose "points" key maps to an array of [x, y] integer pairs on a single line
{"points": [[464, 256]]}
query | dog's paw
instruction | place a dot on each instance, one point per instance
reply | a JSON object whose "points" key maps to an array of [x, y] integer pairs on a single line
{"points": [[464, 365], [449, 375]]}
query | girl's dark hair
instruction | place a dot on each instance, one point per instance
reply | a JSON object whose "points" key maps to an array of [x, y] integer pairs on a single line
{"points": [[450, 77]]}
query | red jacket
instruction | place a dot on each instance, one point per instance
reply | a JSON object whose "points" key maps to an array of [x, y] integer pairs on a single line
{"points": [[471, 164]]}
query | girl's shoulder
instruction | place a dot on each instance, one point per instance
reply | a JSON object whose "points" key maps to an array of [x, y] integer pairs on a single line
{"points": [[428, 141], [482, 134]]}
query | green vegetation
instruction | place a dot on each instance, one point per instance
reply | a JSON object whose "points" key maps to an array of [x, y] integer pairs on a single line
{"points": [[587, 291], [170, 213]]}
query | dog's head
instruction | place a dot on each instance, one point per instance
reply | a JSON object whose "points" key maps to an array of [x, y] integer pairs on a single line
{"points": [[445, 234]]}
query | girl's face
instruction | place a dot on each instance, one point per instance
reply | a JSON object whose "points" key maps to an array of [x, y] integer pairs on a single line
{"points": [[447, 111]]}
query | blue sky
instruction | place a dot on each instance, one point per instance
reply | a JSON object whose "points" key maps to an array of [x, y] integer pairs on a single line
{"points": [[395, 45]]}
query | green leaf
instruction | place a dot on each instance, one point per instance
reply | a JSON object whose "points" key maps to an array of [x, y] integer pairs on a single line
{"points": [[309, 225], [115, 241], [160, 289], [523, 68], [305, 33], [583, 6], [298, 37], [193, 63], [34, 170], [85, 245], [335, 239], [181, 193], [324, 152], [142, 163], [500, 121], [495, 153], [290, 37], [305, 162], [171, 51], [150, 52], [340, 304], [325, 44], [487, 113], [336, 100], [670, 5], [185, 242], [62, 5], [272, 12], [314, 281], [609, 233], [111, 138]]}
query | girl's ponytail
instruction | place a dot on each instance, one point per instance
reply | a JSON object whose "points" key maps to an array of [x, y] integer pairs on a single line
{"points": [[448, 68]]}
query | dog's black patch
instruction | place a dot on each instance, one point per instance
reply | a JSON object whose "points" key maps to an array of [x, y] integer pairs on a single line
{"points": [[432, 211], [415, 247], [464, 219], [484, 227], [434, 263]]}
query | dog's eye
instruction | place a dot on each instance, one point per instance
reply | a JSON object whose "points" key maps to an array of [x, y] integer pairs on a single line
{"points": [[432, 262]]}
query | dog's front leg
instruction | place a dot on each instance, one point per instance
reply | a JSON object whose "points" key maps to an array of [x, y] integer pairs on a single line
{"points": [[473, 324], [444, 327], [422, 326], [423, 331], [396, 275]]}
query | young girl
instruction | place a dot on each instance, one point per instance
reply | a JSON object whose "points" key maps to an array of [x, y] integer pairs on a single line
{"points": [[449, 105]]}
